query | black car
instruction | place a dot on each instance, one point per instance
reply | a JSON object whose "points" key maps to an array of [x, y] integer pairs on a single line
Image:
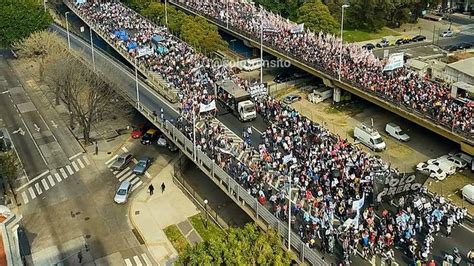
{"points": [[418, 38], [464, 45], [451, 48], [282, 77], [402, 41], [368, 46]]}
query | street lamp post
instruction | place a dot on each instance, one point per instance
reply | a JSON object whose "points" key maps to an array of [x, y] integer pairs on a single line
{"points": [[67, 30], [261, 46], [136, 84], [342, 28], [205, 209], [289, 212], [194, 132], [92, 47]]}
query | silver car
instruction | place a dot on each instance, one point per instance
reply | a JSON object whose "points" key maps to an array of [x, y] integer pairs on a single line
{"points": [[121, 195], [122, 161]]}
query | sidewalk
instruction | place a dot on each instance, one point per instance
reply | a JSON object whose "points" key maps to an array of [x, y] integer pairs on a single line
{"points": [[151, 214]]}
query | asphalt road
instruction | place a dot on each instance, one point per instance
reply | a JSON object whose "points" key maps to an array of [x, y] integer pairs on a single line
{"points": [[153, 101]]}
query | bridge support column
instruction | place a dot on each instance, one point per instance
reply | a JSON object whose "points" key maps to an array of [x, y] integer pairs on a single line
{"points": [[467, 148]]}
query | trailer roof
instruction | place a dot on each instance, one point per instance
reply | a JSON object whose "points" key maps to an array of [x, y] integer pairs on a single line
{"points": [[233, 89]]}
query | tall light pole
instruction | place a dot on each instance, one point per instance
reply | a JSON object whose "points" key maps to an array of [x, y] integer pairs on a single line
{"points": [[342, 27], [92, 47], [261, 47], [205, 209], [67, 30], [166, 13], [136, 84], [289, 211]]}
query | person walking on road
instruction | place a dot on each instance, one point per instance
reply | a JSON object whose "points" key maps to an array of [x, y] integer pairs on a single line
{"points": [[151, 189], [163, 187]]}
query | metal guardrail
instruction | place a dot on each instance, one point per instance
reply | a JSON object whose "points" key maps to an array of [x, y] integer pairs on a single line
{"points": [[319, 70]]}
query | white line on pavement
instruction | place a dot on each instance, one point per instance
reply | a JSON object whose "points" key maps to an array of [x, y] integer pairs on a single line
{"points": [[45, 184], [69, 169], [76, 168], [132, 177], [137, 185], [147, 260], [38, 189], [467, 228], [124, 149], [51, 180], [25, 198], [135, 180], [63, 172], [58, 177], [137, 261], [80, 163], [33, 180], [75, 155], [134, 160], [259, 132], [123, 172], [33, 139], [128, 262], [32, 193], [86, 160], [111, 159], [147, 174], [126, 176]]}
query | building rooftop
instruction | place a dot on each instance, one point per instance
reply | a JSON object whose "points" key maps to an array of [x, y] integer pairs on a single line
{"points": [[417, 64], [465, 66]]}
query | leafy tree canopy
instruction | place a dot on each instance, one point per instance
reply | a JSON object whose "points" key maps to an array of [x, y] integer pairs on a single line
{"points": [[316, 17], [241, 246], [19, 19]]}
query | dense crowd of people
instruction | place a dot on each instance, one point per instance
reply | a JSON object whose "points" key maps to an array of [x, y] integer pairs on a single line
{"points": [[322, 173], [359, 66]]}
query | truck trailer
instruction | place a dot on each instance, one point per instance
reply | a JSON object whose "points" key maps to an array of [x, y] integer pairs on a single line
{"points": [[236, 100]]}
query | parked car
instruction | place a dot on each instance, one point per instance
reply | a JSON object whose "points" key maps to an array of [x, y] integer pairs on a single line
{"points": [[368, 46], [418, 38], [139, 131], [122, 161], [383, 43], [150, 136], [396, 132], [292, 98], [282, 77], [447, 33], [464, 45], [468, 193], [403, 40], [121, 195], [451, 48], [467, 158], [456, 161], [431, 170], [142, 165], [444, 165], [370, 137]]}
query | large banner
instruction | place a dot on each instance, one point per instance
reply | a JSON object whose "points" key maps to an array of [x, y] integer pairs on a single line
{"points": [[397, 185], [207, 107], [394, 61], [298, 28], [143, 51]]}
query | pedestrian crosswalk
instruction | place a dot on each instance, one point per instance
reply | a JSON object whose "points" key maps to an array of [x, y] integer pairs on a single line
{"points": [[49, 179], [127, 174], [138, 260]]}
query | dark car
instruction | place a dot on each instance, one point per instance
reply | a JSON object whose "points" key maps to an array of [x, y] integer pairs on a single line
{"points": [[383, 43], [291, 99], [150, 136], [451, 48], [368, 46], [464, 45], [402, 41], [418, 38], [282, 77]]}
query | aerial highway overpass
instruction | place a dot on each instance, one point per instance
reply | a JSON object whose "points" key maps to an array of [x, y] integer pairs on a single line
{"points": [[466, 142]]}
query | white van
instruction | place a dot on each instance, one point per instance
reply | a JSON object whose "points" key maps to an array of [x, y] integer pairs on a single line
{"points": [[396, 132], [369, 137], [251, 64], [320, 95], [444, 165], [468, 193]]}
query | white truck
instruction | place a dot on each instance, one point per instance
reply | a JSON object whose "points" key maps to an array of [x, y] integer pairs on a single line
{"points": [[370, 137], [250, 64], [320, 95], [396, 132], [236, 99]]}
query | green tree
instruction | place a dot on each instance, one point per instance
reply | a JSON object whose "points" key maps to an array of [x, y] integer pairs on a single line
{"points": [[241, 246], [156, 13], [316, 17], [9, 167], [286, 8], [137, 5], [202, 34], [19, 19], [370, 15]]}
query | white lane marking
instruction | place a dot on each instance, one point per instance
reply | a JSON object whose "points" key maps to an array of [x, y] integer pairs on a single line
{"points": [[467, 228], [45, 184], [34, 141], [136, 185], [63, 172], [33, 180], [111, 159], [134, 160], [137, 261], [123, 172], [81, 164], [38, 189], [75, 166], [124, 149], [69, 169], [131, 177], [74, 156], [135, 180], [129, 174], [146, 259], [86, 160], [58, 177], [25, 198], [51, 180], [254, 128], [147, 174], [32, 192], [128, 262]]}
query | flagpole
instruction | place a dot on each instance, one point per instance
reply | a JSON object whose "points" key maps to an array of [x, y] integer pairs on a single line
{"points": [[261, 47]]}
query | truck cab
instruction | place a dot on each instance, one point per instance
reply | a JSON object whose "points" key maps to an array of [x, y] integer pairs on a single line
{"points": [[369, 137], [236, 100]]}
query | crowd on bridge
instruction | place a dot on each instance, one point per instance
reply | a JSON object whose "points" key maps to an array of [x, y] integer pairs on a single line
{"points": [[359, 66], [322, 173]]}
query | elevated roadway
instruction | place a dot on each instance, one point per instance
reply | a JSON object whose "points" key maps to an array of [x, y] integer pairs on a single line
{"points": [[466, 142]]}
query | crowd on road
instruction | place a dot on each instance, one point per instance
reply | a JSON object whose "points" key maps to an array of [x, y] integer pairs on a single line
{"points": [[359, 66], [322, 173]]}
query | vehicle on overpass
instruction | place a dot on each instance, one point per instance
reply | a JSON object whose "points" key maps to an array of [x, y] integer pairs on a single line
{"points": [[236, 100], [370, 137]]}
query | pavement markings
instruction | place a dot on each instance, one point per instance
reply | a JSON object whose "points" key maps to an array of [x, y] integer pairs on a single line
{"points": [[38, 189], [137, 261], [134, 181], [25, 198], [33, 180], [146, 259], [148, 174], [32, 193], [132, 176], [75, 166], [136, 185], [63, 173], [124, 149], [74, 156], [111, 159], [128, 262], [69, 169], [80, 163], [45, 184], [51, 180], [467, 228], [58, 177], [86, 160], [134, 160], [122, 172]]}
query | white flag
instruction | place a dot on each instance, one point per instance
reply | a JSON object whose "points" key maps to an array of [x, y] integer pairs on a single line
{"points": [[298, 28]]}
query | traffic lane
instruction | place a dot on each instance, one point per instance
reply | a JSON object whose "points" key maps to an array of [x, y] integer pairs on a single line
{"points": [[458, 38], [120, 74], [460, 238]]}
